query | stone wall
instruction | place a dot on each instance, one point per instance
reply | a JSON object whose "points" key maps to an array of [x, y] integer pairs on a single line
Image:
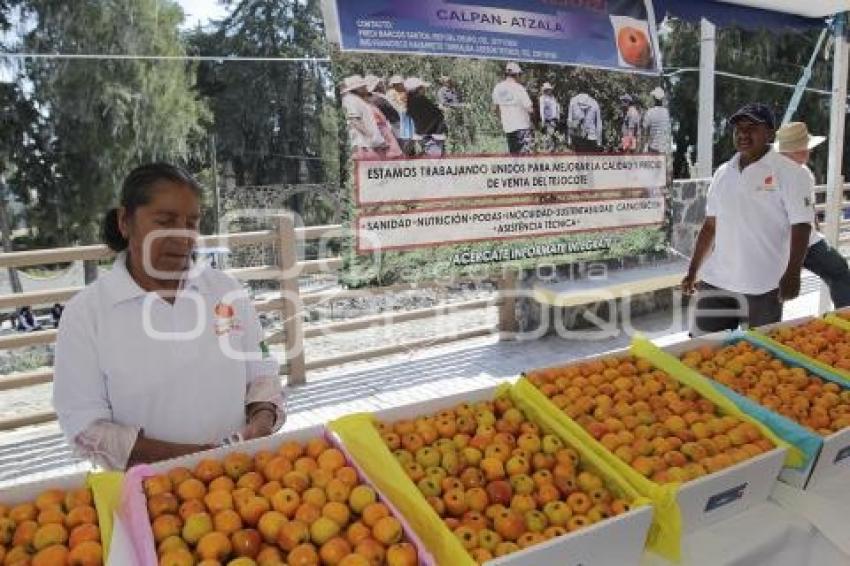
{"points": [[242, 201], [688, 212]]}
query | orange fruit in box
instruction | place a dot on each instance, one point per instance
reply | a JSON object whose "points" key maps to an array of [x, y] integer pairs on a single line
{"points": [[819, 340], [47, 530], [819, 405], [298, 504], [492, 476], [663, 429]]}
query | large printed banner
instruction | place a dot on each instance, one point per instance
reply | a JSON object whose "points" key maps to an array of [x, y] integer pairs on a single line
{"points": [[449, 178], [612, 34], [497, 131]]}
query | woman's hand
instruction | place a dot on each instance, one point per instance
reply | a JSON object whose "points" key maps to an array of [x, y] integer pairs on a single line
{"points": [[260, 423], [147, 450]]}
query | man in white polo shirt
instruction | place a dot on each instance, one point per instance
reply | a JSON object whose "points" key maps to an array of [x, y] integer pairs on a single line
{"points": [[515, 109], [756, 231]]}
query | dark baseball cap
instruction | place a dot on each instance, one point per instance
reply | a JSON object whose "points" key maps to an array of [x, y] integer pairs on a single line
{"points": [[756, 112]]}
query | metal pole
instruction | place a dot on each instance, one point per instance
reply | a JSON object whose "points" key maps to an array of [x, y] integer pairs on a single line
{"points": [[837, 117], [6, 229], [216, 196], [705, 129], [804, 80]]}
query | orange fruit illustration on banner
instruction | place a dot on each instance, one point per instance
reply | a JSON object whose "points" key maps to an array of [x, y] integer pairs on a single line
{"points": [[634, 46]]}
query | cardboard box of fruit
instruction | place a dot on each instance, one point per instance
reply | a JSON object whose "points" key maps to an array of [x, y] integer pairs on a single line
{"points": [[293, 498], [482, 482], [53, 521], [822, 342], [802, 403], [667, 434]]}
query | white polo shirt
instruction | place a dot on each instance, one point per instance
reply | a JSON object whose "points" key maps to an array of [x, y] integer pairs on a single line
{"points": [[816, 236], [514, 104], [178, 371], [754, 210]]}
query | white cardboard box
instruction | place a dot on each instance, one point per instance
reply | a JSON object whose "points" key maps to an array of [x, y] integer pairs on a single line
{"points": [[13, 494], [724, 493], [617, 541], [834, 455], [252, 447]]}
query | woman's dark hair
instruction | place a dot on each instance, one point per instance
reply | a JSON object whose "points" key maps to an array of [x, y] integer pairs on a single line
{"points": [[136, 191]]}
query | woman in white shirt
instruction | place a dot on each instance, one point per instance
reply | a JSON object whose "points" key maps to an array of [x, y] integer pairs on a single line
{"points": [[161, 356]]}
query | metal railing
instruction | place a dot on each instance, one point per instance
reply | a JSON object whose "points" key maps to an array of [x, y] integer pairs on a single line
{"points": [[287, 239]]}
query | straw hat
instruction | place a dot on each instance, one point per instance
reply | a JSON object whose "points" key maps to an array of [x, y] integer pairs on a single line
{"points": [[352, 83], [513, 69], [546, 86], [396, 80], [372, 82], [412, 83], [795, 136]]}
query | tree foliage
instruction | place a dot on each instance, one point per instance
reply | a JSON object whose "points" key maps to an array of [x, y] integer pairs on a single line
{"points": [[98, 118], [770, 55], [271, 117]]}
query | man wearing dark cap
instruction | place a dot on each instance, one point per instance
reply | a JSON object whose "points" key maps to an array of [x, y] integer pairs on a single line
{"points": [[750, 250]]}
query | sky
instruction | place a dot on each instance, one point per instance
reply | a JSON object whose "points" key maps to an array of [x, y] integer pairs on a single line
{"points": [[201, 11]]}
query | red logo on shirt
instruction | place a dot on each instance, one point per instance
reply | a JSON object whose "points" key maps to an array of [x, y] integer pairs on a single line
{"points": [[223, 310], [768, 180], [225, 319]]}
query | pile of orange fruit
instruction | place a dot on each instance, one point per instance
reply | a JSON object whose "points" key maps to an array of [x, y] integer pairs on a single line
{"points": [[819, 405], [301, 505], [665, 430], [498, 483], [819, 340], [57, 528]]}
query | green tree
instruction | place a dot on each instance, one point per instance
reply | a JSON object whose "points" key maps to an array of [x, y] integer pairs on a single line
{"points": [[101, 117], [771, 55], [273, 119]]}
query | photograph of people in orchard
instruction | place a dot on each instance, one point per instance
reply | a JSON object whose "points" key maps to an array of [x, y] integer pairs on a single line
{"points": [[401, 107]]}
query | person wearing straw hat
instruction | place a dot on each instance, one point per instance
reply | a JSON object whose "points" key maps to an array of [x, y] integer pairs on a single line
{"points": [[656, 124], [397, 95], [631, 124], [550, 115], [514, 105], [584, 119], [794, 141], [378, 98], [386, 116], [428, 120], [758, 217], [363, 133]]}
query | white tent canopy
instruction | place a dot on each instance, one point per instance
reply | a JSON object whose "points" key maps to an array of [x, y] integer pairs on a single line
{"points": [[807, 8]]}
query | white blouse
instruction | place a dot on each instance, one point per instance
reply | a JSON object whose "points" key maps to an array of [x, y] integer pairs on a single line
{"points": [[127, 360]]}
